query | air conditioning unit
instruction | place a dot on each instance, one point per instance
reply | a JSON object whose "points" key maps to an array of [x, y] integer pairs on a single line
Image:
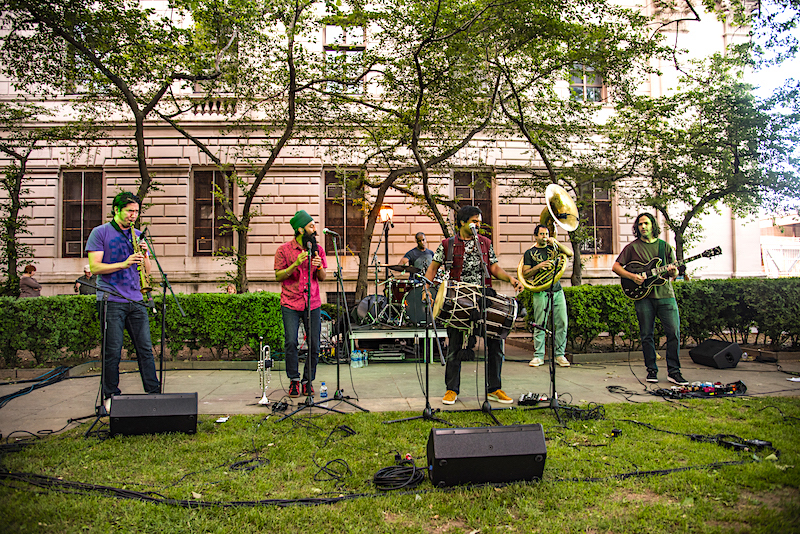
{"points": [[74, 248], [204, 245], [333, 191]]}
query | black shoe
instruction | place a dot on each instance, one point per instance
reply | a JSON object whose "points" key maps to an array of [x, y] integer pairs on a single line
{"points": [[308, 389], [294, 389], [652, 375], [676, 378]]}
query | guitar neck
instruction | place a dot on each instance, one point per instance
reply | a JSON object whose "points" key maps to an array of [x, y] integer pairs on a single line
{"points": [[664, 268]]}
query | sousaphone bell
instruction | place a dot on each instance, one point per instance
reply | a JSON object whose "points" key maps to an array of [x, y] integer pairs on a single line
{"points": [[562, 211]]}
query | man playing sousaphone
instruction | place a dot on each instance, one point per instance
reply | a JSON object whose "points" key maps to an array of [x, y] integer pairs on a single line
{"points": [[539, 263], [464, 251]]}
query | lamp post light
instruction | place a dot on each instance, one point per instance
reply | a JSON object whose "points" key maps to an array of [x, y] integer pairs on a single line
{"points": [[386, 214]]}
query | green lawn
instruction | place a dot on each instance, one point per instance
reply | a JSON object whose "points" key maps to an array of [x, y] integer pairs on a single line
{"points": [[593, 482]]}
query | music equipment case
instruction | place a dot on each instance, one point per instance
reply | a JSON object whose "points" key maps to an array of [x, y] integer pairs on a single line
{"points": [[716, 353]]}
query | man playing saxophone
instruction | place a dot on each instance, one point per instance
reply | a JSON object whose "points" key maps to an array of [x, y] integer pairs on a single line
{"points": [[113, 256], [539, 262]]}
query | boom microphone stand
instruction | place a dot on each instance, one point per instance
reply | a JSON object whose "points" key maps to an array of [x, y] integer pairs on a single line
{"points": [[428, 412], [100, 411], [345, 327], [309, 402], [552, 334], [164, 286]]}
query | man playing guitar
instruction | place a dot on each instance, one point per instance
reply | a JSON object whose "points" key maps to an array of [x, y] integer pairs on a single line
{"points": [[660, 302]]}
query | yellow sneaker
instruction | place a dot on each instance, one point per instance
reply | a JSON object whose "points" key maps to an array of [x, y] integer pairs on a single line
{"points": [[562, 361], [536, 362], [450, 397], [500, 396]]}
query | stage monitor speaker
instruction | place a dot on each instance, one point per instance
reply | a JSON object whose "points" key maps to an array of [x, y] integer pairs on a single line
{"points": [[486, 454], [154, 414], [716, 353]]}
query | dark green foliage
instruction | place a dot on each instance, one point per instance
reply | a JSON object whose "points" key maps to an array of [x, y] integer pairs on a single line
{"points": [[729, 309], [50, 326]]}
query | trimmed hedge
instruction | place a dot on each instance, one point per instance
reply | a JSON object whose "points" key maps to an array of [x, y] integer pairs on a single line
{"points": [[50, 327], [728, 309]]}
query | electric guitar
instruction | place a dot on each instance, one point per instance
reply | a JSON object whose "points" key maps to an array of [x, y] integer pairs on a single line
{"points": [[652, 271]]}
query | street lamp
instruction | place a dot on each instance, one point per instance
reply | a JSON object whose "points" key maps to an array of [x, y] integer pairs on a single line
{"points": [[386, 214]]}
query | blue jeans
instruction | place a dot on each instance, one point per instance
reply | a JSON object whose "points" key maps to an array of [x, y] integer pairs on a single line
{"points": [[647, 309], [123, 316], [541, 315], [452, 370], [291, 326]]}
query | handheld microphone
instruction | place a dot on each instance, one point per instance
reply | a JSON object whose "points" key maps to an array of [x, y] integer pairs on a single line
{"points": [[329, 232], [474, 228]]}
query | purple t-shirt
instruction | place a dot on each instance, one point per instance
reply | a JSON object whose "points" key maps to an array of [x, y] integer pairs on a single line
{"points": [[116, 246]]}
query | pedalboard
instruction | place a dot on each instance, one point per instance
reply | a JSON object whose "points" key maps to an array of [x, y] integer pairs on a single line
{"points": [[531, 399]]}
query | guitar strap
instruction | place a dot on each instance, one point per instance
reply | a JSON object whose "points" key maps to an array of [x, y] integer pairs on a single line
{"points": [[662, 251]]}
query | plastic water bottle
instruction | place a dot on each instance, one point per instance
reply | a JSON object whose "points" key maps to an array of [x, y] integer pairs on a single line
{"points": [[364, 359], [354, 359], [323, 394], [360, 359]]}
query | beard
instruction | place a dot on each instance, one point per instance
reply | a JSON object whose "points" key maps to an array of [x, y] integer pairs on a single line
{"points": [[310, 239]]}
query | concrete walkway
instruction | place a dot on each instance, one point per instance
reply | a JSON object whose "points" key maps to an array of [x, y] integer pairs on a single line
{"points": [[383, 386]]}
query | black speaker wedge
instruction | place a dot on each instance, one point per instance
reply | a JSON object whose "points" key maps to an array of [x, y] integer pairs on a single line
{"points": [[153, 414], [495, 454], [716, 353]]}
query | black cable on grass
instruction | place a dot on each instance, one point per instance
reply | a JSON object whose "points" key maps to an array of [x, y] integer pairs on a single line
{"points": [[785, 417], [80, 488]]}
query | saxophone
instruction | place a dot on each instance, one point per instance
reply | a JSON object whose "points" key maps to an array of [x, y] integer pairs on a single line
{"points": [[144, 278]]}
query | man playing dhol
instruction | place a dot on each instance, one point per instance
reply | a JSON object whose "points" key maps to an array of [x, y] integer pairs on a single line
{"points": [[659, 303], [110, 251], [292, 270], [468, 267], [537, 258]]}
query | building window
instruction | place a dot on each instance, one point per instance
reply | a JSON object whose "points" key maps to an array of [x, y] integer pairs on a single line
{"points": [[344, 51], [475, 189], [597, 216], [585, 84], [343, 213], [83, 210], [211, 234]]}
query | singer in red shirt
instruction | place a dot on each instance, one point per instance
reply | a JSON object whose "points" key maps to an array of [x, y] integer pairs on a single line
{"points": [[292, 270]]}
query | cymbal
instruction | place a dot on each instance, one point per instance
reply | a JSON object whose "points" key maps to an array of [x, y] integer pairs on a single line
{"points": [[403, 269]]}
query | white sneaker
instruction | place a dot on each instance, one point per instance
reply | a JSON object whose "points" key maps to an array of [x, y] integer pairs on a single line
{"points": [[536, 362], [107, 405], [562, 361]]}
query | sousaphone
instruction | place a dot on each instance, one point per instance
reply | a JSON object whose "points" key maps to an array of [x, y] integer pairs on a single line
{"points": [[562, 211]]}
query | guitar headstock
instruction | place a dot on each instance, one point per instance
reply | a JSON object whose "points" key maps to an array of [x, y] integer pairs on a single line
{"points": [[710, 253]]}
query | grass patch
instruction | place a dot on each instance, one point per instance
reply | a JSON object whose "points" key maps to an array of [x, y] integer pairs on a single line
{"points": [[202, 482]]}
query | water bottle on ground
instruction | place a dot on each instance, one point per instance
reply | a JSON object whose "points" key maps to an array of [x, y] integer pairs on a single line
{"points": [[323, 394]]}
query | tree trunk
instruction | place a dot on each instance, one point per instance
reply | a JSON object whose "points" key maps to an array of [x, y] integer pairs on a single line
{"points": [[577, 265]]}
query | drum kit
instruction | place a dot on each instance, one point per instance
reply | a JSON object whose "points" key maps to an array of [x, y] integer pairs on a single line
{"points": [[456, 304]]}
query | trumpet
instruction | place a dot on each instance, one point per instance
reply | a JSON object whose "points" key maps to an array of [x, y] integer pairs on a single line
{"points": [[264, 370], [144, 278]]}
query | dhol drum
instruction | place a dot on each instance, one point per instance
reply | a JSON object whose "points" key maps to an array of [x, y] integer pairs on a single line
{"points": [[457, 305]]}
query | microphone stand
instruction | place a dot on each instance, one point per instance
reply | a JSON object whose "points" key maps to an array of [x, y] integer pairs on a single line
{"points": [[486, 407], [100, 411], [164, 286], [427, 412], [552, 333], [341, 302], [309, 402]]}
